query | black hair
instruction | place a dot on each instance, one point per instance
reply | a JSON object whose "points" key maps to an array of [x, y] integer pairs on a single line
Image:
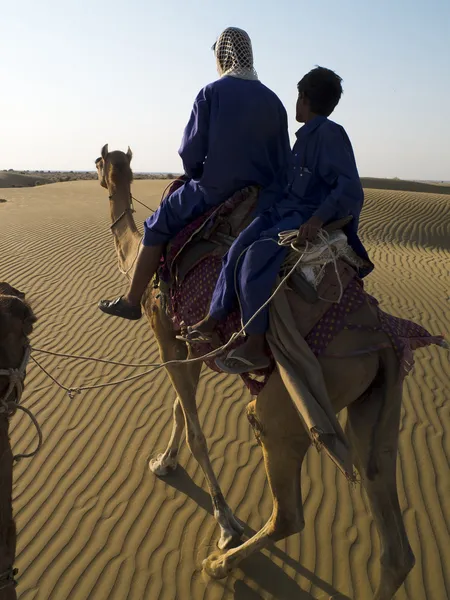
{"points": [[323, 88]]}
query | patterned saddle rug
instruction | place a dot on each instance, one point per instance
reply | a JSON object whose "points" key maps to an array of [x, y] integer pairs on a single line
{"points": [[191, 265]]}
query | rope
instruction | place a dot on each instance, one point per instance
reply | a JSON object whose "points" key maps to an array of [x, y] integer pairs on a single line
{"points": [[9, 407], [162, 196], [283, 240], [134, 260], [131, 210], [7, 578], [144, 205], [287, 238]]}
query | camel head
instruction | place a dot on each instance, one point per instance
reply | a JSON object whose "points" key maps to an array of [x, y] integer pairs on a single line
{"points": [[113, 168], [16, 324]]}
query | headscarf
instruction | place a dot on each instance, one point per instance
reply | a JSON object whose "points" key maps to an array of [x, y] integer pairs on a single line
{"points": [[234, 54]]}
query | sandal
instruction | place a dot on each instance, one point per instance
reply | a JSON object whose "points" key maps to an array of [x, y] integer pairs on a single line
{"points": [[118, 308], [236, 365], [194, 336]]}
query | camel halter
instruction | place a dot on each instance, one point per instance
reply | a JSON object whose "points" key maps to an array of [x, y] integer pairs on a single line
{"points": [[7, 578], [10, 400]]}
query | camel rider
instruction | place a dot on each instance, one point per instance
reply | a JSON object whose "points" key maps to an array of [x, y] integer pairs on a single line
{"points": [[236, 136], [324, 186]]}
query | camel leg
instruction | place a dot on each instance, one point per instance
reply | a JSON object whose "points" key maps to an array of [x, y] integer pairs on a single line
{"points": [[230, 529], [168, 460], [283, 456], [171, 349], [379, 413], [184, 378], [7, 525]]}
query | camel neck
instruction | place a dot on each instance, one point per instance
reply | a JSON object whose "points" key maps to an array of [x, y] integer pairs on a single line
{"points": [[119, 199], [126, 234]]}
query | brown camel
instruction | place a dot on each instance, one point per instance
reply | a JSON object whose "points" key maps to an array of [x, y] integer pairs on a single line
{"points": [[16, 324], [372, 394]]}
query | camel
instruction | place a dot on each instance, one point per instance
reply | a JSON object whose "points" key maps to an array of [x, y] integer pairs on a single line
{"points": [[16, 324], [368, 385]]}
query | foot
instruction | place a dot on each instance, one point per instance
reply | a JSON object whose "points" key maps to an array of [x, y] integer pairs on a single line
{"points": [[203, 331], [249, 357], [121, 308]]}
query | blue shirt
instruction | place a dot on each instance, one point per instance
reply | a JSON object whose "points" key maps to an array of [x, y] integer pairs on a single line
{"points": [[237, 135], [324, 180]]}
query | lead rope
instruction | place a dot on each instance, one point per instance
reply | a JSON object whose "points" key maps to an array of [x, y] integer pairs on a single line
{"points": [[10, 406], [72, 391]]}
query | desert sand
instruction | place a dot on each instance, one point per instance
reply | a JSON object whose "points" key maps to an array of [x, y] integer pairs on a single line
{"points": [[94, 522]]}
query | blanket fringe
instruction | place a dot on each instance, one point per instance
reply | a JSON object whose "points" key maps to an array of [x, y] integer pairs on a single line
{"points": [[328, 441]]}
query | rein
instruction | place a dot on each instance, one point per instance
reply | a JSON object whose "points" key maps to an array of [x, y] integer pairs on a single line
{"points": [[10, 400], [129, 209]]}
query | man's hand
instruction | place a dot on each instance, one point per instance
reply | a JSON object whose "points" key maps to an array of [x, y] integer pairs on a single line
{"points": [[309, 230]]}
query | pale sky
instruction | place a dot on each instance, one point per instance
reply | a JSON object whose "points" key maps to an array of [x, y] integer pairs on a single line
{"points": [[77, 74]]}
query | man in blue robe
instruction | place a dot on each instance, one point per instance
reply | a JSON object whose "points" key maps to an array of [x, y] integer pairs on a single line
{"points": [[324, 186], [237, 136]]}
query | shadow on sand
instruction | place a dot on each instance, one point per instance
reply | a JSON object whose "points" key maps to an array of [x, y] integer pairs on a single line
{"points": [[258, 567]]}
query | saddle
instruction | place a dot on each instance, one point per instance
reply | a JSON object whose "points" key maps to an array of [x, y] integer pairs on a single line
{"points": [[212, 234]]}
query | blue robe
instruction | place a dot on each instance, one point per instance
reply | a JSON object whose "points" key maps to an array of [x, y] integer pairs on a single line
{"points": [[236, 136], [324, 182]]}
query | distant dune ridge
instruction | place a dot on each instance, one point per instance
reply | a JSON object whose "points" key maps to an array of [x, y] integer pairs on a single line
{"points": [[94, 523], [13, 179]]}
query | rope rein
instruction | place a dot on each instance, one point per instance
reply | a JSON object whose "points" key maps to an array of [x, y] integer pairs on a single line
{"points": [[10, 401], [151, 367], [129, 210], [16, 376]]}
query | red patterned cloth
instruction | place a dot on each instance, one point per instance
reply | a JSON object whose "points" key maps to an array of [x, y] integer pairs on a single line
{"points": [[405, 336], [190, 303], [333, 321]]}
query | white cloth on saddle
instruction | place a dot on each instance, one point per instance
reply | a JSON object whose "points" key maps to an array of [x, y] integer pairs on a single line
{"points": [[319, 254]]}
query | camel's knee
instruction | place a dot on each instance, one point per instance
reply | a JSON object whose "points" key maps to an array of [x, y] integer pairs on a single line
{"points": [[256, 425], [398, 560], [395, 567]]}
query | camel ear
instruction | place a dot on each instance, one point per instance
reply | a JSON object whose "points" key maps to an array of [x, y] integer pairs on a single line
{"points": [[105, 151], [129, 154], [9, 290], [22, 310]]}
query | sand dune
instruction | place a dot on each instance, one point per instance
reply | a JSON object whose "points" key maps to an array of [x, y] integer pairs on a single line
{"points": [[404, 185], [19, 179], [93, 521]]}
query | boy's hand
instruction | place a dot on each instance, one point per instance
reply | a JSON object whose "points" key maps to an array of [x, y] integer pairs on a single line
{"points": [[309, 230]]}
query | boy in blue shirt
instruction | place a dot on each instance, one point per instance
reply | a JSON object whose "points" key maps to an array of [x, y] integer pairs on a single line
{"points": [[324, 186]]}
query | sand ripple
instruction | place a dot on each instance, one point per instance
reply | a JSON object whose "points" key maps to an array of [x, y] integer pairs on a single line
{"points": [[95, 523]]}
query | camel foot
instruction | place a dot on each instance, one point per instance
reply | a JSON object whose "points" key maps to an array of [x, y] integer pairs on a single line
{"points": [[230, 538], [163, 464], [216, 566], [230, 529]]}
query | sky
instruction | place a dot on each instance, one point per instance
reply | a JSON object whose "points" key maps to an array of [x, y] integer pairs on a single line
{"points": [[79, 73]]}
